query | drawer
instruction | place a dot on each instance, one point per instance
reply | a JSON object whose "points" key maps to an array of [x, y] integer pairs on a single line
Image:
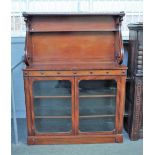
{"points": [[74, 73]]}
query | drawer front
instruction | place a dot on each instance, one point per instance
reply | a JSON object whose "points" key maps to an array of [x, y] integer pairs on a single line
{"points": [[74, 73]]}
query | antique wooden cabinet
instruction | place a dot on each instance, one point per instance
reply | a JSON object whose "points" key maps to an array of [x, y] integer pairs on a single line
{"points": [[74, 80], [134, 89]]}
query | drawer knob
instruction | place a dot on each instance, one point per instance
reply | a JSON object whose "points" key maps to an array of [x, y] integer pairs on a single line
{"points": [[42, 73], [25, 73]]}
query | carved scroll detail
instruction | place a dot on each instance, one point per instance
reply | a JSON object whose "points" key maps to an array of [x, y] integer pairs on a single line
{"points": [[119, 55], [27, 57]]}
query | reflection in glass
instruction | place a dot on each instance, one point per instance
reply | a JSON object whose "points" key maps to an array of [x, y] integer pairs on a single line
{"points": [[52, 88], [96, 124], [52, 107], [47, 125], [97, 87], [97, 106]]}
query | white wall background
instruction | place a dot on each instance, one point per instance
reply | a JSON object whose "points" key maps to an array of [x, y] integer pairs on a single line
{"points": [[132, 8]]}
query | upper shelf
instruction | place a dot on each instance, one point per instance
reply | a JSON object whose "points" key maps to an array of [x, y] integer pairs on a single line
{"points": [[73, 36], [52, 23], [73, 30], [26, 14]]}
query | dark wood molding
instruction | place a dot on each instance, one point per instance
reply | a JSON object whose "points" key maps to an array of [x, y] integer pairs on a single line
{"points": [[134, 92]]}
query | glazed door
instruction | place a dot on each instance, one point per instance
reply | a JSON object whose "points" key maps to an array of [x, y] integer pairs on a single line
{"points": [[53, 105], [96, 104], [76, 105]]}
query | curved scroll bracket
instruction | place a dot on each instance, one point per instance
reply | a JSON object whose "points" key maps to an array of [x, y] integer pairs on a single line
{"points": [[27, 57], [119, 55]]}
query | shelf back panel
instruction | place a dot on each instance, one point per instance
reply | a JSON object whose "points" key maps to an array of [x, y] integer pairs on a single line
{"points": [[72, 46], [71, 23]]}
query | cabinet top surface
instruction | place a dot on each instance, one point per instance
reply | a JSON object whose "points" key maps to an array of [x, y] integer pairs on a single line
{"points": [[26, 14], [78, 66]]}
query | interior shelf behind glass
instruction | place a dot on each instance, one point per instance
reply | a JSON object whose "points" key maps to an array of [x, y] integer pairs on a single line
{"points": [[52, 106], [97, 105]]}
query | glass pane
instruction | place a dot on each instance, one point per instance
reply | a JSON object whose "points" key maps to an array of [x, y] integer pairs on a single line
{"points": [[97, 105], [97, 87], [96, 124], [52, 106], [52, 88], [46, 125]]}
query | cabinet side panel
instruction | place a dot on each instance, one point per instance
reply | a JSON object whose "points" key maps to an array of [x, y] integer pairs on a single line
{"points": [[28, 106], [121, 101]]}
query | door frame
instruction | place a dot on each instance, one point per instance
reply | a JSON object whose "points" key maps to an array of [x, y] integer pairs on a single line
{"points": [[30, 105], [120, 97]]}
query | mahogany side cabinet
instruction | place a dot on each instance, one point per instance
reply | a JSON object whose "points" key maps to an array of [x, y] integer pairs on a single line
{"points": [[74, 81]]}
